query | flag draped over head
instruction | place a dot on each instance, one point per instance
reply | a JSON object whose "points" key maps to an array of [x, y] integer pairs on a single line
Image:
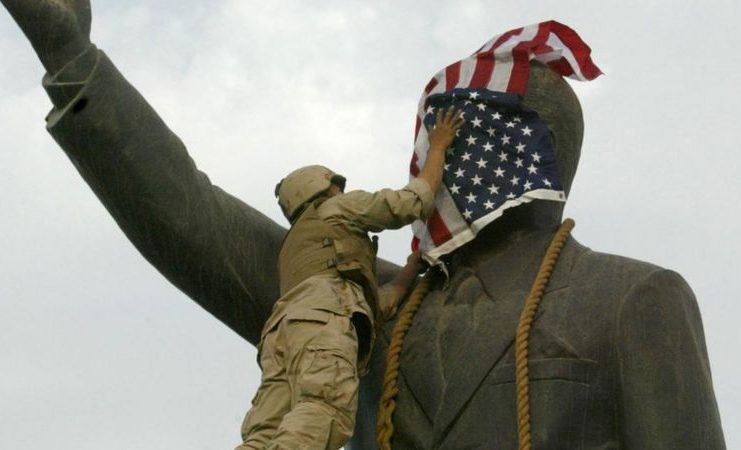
{"points": [[503, 155]]}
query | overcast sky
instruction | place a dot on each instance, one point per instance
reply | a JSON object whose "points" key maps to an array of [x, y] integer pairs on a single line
{"points": [[99, 351]]}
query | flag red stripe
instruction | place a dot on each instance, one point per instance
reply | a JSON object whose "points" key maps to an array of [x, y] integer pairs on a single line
{"points": [[521, 59], [430, 85], [520, 71], [562, 67], [417, 126], [452, 74], [484, 70], [438, 230], [413, 168], [578, 47], [505, 37], [415, 244]]}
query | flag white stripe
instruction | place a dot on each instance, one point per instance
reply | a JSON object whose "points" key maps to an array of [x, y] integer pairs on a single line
{"points": [[421, 146], [449, 213], [420, 143], [468, 67], [490, 43], [527, 197], [422, 233], [528, 34], [502, 72], [504, 62], [555, 42]]}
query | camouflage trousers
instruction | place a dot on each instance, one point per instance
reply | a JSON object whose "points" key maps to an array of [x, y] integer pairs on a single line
{"points": [[308, 396]]}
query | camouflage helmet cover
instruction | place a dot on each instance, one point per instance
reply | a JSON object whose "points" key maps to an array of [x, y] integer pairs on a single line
{"points": [[303, 185]]}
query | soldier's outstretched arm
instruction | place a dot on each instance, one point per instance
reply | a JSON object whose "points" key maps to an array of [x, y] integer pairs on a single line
{"points": [[218, 250]]}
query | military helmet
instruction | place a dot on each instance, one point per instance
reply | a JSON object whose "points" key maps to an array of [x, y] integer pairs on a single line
{"points": [[303, 185]]}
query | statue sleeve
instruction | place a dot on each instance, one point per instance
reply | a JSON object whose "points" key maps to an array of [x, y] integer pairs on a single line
{"points": [[219, 251], [667, 398]]}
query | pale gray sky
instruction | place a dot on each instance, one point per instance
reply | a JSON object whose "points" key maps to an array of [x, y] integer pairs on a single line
{"points": [[97, 349]]}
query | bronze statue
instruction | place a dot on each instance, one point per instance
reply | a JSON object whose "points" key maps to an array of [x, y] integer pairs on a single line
{"points": [[618, 357]]}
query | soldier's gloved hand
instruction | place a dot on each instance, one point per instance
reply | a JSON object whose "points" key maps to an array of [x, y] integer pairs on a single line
{"points": [[59, 30]]}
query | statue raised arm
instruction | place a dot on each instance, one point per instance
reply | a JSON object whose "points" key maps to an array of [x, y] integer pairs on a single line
{"points": [[58, 30], [215, 248]]}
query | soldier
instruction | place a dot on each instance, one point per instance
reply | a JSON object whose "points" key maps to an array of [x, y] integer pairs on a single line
{"points": [[318, 339]]}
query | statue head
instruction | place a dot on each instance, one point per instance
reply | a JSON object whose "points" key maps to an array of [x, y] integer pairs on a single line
{"points": [[519, 149], [551, 96]]}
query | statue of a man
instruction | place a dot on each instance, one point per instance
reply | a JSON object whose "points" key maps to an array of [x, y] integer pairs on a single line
{"points": [[617, 351]]}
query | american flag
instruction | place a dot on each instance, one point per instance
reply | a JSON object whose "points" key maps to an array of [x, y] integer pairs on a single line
{"points": [[503, 155]]}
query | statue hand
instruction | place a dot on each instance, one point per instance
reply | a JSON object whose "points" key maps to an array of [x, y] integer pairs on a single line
{"points": [[58, 30]]}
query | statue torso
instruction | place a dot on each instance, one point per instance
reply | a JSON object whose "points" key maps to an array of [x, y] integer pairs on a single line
{"points": [[457, 375]]}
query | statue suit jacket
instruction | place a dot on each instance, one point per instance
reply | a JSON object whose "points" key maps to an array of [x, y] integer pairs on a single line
{"points": [[617, 357]]}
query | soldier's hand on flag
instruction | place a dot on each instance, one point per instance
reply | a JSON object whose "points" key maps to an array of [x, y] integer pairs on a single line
{"points": [[58, 30], [443, 132]]}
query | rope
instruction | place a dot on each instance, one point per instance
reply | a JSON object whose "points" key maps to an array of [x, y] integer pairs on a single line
{"points": [[523, 332], [385, 425]]}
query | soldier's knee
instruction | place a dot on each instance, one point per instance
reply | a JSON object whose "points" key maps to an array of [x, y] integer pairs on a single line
{"points": [[331, 425]]}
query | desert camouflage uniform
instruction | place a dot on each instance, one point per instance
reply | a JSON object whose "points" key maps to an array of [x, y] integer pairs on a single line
{"points": [[317, 341]]}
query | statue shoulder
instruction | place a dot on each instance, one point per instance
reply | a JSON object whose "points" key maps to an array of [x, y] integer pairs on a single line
{"points": [[615, 271], [606, 280], [629, 287]]}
